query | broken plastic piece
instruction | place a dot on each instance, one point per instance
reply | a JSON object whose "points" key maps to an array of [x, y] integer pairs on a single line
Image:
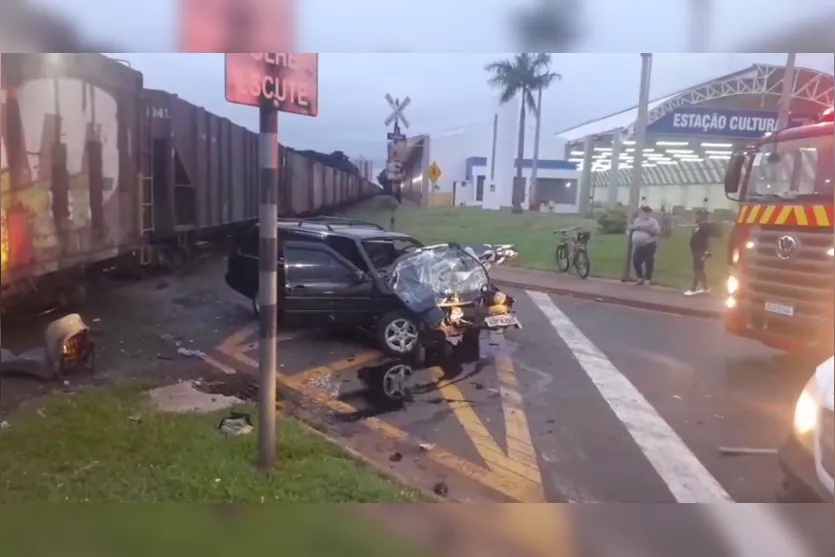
{"points": [[237, 423]]}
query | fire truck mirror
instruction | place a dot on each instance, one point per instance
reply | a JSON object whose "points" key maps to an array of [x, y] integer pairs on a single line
{"points": [[734, 173]]}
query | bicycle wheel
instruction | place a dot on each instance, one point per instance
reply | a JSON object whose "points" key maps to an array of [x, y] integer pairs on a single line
{"points": [[582, 264], [561, 256]]}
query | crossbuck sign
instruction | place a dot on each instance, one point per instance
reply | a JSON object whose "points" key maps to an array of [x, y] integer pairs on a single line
{"points": [[397, 108]]}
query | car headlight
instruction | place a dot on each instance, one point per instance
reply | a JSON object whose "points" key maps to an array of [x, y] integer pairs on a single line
{"points": [[733, 284], [735, 257], [806, 409]]}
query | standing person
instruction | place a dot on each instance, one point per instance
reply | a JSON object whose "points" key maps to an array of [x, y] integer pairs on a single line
{"points": [[645, 233], [699, 251]]}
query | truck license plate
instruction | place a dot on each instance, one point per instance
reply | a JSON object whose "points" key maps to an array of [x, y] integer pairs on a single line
{"points": [[502, 321], [779, 309]]}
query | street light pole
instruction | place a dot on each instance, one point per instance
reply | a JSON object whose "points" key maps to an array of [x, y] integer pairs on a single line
{"points": [[640, 143]]}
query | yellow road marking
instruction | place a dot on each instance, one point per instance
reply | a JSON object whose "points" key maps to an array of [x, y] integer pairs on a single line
{"points": [[513, 485], [517, 476], [235, 342], [338, 366], [478, 433], [236, 339], [519, 443]]}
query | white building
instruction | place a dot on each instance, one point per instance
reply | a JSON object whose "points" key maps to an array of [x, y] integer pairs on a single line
{"points": [[690, 137], [477, 165]]}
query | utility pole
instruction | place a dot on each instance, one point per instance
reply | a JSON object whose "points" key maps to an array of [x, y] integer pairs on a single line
{"points": [[640, 143], [788, 90], [267, 281], [535, 161]]}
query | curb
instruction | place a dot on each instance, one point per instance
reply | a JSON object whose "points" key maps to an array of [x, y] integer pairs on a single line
{"points": [[616, 300]]}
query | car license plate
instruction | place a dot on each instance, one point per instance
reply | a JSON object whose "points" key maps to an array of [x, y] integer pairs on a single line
{"points": [[779, 309], [502, 321]]}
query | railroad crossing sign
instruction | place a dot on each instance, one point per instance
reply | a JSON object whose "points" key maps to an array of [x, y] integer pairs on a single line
{"points": [[433, 173], [397, 108]]}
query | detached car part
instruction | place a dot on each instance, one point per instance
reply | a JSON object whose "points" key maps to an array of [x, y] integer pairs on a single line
{"points": [[68, 350]]}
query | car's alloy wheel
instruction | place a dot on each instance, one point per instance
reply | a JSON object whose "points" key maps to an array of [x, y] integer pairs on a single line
{"points": [[401, 336], [394, 381]]}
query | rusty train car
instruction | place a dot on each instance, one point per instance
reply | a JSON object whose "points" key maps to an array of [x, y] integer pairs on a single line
{"points": [[97, 172]]}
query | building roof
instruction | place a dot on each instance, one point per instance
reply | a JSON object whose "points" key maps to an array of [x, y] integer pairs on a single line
{"points": [[754, 79]]}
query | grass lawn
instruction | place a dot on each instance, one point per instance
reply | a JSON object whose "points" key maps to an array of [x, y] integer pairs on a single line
{"points": [[89, 447], [531, 233]]}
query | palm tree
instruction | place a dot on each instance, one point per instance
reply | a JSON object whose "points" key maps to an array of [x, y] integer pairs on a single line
{"points": [[521, 76]]}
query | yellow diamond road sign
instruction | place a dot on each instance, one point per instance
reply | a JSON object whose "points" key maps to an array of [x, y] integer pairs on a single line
{"points": [[433, 173]]}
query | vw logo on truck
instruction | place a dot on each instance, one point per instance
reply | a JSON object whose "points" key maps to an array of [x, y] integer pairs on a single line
{"points": [[786, 246]]}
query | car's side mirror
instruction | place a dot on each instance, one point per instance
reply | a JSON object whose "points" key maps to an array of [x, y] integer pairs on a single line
{"points": [[733, 174], [359, 277]]}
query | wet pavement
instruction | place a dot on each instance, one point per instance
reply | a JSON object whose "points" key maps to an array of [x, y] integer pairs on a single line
{"points": [[588, 403]]}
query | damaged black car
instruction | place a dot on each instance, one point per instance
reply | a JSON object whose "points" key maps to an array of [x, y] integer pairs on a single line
{"points": [[338, 272]]}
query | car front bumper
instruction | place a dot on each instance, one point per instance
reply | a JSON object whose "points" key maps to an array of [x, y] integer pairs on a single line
{"points": [[798, 464]]}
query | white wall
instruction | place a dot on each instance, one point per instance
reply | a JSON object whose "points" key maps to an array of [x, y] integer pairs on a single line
{"points": [[690, 196], [451, 150], [468, 195]]}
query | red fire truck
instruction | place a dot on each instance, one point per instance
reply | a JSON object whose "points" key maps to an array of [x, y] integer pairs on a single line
{"points": [[782, 276]]}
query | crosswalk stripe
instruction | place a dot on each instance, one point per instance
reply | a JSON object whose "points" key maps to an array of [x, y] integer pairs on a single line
{"points": [[685, 476]]}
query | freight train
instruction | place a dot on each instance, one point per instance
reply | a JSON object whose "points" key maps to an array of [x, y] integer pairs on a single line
{"points": [[99, 172]]}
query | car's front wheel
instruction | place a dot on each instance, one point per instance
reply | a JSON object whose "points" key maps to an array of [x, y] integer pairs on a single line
{"points": [[398, 334]]}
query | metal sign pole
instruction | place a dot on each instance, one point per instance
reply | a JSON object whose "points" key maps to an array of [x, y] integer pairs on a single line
{"points": [[394, 166], [267, 282], [1, 247], [637, 171]]}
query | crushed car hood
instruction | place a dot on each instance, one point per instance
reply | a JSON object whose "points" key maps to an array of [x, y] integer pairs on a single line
{"points": [[427, 276]]}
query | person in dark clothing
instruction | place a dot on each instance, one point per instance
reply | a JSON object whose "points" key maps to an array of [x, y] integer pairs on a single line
{"points": [[700, 252], [645, 233]]}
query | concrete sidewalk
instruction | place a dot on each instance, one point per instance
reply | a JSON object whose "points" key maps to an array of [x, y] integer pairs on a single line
{"points": [[657, 298]]}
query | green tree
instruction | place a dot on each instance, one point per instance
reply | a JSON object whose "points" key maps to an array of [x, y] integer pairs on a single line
{"points": [[519, 78]]}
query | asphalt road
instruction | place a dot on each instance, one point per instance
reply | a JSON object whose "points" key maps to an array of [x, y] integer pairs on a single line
{"points": [[588, 403], [593, 402]]}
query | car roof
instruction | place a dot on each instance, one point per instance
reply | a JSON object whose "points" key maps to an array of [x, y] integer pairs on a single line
{"points": [[324, 227]]}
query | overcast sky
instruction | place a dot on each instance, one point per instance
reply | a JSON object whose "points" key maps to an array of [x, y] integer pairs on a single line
{"points": [[447, 90]]}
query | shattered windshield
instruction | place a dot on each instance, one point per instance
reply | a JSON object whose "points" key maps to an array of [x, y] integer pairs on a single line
{"points": [[426, 276]]}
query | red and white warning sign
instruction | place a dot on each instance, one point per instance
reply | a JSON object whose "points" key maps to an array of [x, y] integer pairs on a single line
{"points": [[290, 81]]}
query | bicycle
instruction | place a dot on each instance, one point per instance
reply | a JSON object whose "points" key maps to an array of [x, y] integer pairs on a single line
{"points": [[573, 252]]}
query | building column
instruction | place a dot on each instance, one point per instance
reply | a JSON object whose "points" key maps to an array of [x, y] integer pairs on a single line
{"points": [[584, 190], [614, 171]]}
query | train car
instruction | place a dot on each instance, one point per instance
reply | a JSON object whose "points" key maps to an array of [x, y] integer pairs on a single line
{"points": [[201, 174], [69, 163], [98, 172]]}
